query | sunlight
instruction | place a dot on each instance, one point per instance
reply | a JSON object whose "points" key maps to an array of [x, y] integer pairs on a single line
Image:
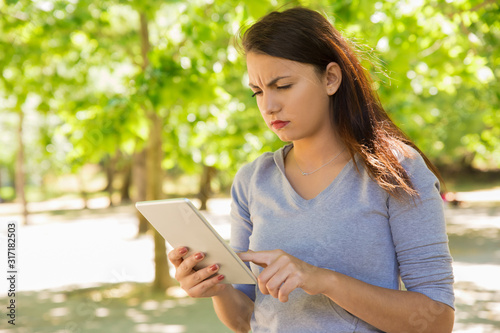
{"points": [[176, 34], [484, 276], [101, 312], [407, 7], [473, 328], [176, 292], [58, 298], [383, 44], [136, 316], [378, 17], [217, 67], [485, 74], [46, 6], [150, 305], [59, 312], [43, 295], [160, 328], [168, 304]]}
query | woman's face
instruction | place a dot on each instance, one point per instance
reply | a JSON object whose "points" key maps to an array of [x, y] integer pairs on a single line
{"points": [[292, 98]]}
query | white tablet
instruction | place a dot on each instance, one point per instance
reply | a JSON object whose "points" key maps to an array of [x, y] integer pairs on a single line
{"points": [[181, 224]]}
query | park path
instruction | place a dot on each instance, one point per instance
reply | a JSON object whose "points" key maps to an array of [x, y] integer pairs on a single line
{"points": [[89, 247], [83, 248]]}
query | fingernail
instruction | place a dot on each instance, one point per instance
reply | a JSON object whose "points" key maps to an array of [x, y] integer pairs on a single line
{"points": [[220, 277], [198, 256], [213, 268], [183, 251]]}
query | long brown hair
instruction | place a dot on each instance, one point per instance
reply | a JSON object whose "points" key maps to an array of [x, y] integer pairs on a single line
{"points": [[305, 36]]}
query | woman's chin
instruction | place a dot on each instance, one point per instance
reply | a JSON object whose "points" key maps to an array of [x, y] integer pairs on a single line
{"points": [[284, 138]]}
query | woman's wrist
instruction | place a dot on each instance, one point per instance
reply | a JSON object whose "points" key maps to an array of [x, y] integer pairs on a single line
{"points": [[227, 290], [328, 281], [233, 308]]}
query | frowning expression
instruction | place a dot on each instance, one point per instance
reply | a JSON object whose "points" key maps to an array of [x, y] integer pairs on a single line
{"points": [[292, 97]]}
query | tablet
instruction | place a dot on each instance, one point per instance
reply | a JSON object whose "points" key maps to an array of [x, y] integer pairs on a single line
{"points": [[181, 224]]}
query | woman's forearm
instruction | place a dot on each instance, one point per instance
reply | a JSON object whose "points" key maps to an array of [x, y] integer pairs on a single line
{"points": [[389, 310], [234, 309]]}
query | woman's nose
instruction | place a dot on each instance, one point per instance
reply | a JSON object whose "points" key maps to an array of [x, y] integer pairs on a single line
{"points": [[270, 104]]}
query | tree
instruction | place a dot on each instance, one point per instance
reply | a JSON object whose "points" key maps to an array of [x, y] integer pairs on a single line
{"points": [[19, 81], [435, 74], [20, 176]]}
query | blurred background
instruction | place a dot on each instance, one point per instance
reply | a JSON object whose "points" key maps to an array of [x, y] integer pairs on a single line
{"points": [[107, 102]]}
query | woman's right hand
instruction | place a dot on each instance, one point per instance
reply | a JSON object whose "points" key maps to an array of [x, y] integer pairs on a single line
{"points": [[196, 283]]}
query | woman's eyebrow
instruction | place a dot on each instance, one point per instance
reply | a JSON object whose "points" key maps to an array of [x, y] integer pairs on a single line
{"points": [[270, 83]]}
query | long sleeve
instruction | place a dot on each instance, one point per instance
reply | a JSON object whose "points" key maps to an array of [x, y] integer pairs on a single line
{"points": [[419, 234]]}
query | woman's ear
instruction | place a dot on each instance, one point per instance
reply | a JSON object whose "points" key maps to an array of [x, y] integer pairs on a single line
{"points": [[333, 78]]}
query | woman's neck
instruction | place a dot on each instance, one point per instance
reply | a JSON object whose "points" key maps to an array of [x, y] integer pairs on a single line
{"points": [[313, 152]]}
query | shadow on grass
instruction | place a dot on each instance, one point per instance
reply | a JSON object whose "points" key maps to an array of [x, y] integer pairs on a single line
{"points": [[123, 307], [474, 240], [474, 234], [477, 309], [476, 246]]}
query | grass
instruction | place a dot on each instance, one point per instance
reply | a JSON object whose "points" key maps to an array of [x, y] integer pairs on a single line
{"points": [[123, 307]]}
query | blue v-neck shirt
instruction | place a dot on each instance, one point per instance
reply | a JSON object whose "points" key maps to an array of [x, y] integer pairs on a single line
{"points": [[353, 227]]}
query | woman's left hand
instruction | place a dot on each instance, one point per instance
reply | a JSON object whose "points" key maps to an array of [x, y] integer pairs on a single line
{"points": [[283, 273]]}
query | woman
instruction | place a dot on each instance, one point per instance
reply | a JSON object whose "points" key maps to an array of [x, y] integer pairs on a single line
{"points": [[331, 222]]}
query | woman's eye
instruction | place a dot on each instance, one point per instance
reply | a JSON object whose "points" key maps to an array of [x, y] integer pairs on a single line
{"points": [[279, 88]]}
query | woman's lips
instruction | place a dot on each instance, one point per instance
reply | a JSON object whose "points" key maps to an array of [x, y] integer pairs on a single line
{"points": [[277, 124]]}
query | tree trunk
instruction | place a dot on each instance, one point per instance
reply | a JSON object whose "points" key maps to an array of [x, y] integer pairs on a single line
{"points": [[1, 199], [110, 175], [162, 279], [154, 192], [19, 173], [43, 186], [139, 179], [11, 173], [83, 192], [153, 160], [205, 188], [127, 180], [154, 157]]}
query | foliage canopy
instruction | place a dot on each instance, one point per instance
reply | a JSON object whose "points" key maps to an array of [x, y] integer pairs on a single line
{"points": [[74, 68]]}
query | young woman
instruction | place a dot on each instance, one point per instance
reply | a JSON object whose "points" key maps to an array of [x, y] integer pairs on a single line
{"points": [[333, 221]]}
